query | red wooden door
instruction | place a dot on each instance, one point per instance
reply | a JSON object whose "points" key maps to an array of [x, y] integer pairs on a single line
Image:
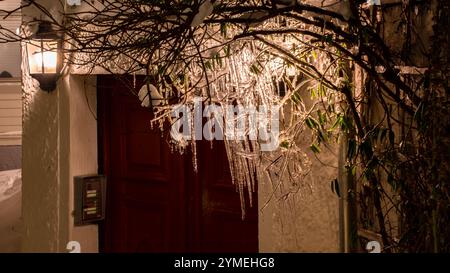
{"points": [[155, 202], [221, 226]]}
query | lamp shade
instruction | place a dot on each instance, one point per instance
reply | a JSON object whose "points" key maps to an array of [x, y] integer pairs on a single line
{"points": [[44, 56]]}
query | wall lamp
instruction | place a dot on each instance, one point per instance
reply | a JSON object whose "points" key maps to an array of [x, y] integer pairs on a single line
{"points": [[44, 56]]}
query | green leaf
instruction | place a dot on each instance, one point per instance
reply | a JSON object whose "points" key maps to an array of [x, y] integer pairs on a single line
{"points": [[285, 144], [311, 123], [351, 170], [227, 50], [255, 69], [322, 117], [345, 123], [366, 148], [313, 93], [391, 180], [351, 149], [335, 187], [223, 29], [337, 122], [296, 98], [321, 91], [208, 65], [315, 148], [218, 59], [328, 38], [314, 54], [321, 137]]}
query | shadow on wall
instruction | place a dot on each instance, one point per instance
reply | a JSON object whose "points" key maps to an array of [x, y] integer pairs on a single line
{"points": [[10, 198]]}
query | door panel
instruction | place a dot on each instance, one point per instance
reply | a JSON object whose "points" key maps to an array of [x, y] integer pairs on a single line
{"points": [[155, 202], [146, 195], [222, 227]]}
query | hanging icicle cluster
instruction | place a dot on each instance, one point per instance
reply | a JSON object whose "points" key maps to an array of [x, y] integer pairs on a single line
{"points": [[248, 75]]}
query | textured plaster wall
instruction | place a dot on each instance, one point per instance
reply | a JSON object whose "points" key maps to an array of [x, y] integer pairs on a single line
{"points": [[83, 149], [309, 220], [41, 156], [59, 142]]}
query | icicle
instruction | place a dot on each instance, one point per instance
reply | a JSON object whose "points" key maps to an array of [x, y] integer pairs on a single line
{"points": [[237, 82], [193, 145]]}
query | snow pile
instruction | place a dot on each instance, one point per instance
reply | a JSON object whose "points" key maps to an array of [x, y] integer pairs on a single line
{"points": [[150, 94], [205, 10], [10, 211], [10, 183]]}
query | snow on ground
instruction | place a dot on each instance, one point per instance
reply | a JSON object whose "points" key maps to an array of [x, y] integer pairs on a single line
{"points": [[10, 210]]}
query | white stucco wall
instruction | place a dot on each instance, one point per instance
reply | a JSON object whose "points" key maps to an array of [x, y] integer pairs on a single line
{"points": [[83, 149], [309, 220], [59, 142]]}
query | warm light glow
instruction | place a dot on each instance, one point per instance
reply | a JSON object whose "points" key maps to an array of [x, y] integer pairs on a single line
{"points": [[48, 58], [42, 57]]}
